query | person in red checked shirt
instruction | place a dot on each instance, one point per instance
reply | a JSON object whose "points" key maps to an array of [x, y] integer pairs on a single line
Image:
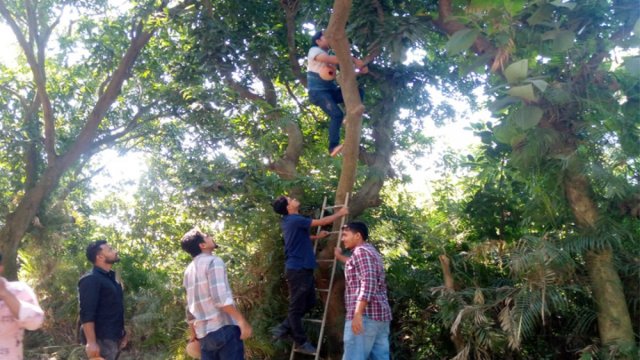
{"points": [[366, 330], [19, 310]]}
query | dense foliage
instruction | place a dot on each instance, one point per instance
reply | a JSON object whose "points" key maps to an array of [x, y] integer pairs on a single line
{"points": [[527, 248]]}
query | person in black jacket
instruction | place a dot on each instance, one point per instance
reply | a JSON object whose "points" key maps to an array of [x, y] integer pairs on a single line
{"points": [[102, 304]]}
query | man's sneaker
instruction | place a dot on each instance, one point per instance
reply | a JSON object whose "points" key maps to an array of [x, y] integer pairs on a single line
{"points": [[306, 348]]}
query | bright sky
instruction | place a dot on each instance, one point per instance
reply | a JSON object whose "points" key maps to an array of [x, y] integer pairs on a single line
{"points": [[8, 45]]}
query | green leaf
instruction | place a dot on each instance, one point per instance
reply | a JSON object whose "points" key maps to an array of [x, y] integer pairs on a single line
{"points": [[560, 3], [514, 7], [563, 41], [505, 132], [558, 95], [482, 4], [524, 92], [540, 84], [550, 35], [502, 103], [632, 64], [516, 140], [461, 40], [517, 71], [541, 16], [527, 117]]}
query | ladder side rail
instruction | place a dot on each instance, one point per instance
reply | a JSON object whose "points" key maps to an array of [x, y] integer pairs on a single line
{"points": [[324, 208], [331, 279]]}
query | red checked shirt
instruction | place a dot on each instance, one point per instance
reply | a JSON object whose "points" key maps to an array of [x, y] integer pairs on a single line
{"points": [[364, 275]]}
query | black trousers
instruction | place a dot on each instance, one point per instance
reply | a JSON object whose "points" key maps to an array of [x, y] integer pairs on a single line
{"points": [[302, 297]]}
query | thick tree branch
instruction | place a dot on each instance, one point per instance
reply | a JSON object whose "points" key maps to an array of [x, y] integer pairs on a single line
{"points": [[291, 10], [23, 101], [37, 69], [242, 90], [121, 73], [134, 123], [286, 167], [269, 90]]}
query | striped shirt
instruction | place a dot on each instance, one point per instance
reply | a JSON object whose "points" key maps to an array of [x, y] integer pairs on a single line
{"points": [[205, 280], [364, 275]]}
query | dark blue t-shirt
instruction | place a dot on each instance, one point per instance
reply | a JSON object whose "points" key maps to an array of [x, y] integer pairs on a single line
{"points": [[297, 242]]}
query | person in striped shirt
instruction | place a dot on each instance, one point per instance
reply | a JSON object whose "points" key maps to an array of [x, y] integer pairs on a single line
{"points": [[212, 315], [366, 329]]}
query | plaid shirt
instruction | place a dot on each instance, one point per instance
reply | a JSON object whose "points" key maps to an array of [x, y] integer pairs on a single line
{"points": [[364, 276], [205, 280]]}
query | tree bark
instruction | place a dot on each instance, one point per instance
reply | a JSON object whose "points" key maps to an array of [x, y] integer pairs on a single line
{"points": [[17, 222], [614, 320], [336, 35], [449, 283]]}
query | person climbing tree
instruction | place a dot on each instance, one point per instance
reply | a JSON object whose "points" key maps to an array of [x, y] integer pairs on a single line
{"points": [[322, 88]]}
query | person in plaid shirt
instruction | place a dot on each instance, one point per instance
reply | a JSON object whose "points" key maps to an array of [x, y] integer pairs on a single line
{"points": [[366, 331], [212, 316]]}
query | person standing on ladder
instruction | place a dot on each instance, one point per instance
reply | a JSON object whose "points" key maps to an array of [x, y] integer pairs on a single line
{"points": [[299, 266], [322, 88], [366, 329]]}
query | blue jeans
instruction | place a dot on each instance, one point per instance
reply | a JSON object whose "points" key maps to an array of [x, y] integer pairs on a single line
{"points": [[328, 101], [222, 344], [371, 344]]}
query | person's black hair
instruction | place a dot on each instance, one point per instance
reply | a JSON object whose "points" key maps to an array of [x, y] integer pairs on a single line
{"points": [[315, 38], [280, 205], [0, 258], [358, 227], [191, 241], [93, 249]]}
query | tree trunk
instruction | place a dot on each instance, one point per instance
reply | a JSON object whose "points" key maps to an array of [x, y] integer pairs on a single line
{"points": [[336, 35], [17, 223], [449, 283], [614, 321]]}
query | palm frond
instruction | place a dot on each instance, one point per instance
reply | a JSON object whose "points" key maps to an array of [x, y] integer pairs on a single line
{"points": [[463, 354]]}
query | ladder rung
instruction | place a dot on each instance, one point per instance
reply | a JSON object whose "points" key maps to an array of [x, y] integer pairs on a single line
{"points": [[317, 321], [324, 260], [334, 232], [322, 290], [302, 352]]}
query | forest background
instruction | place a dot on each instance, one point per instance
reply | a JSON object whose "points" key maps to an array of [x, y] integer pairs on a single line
{"points": [[525, 247]]}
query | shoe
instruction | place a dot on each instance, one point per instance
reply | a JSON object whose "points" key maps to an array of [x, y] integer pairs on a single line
{"points": [[306, 348], [280, 333], [336, 150]]}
